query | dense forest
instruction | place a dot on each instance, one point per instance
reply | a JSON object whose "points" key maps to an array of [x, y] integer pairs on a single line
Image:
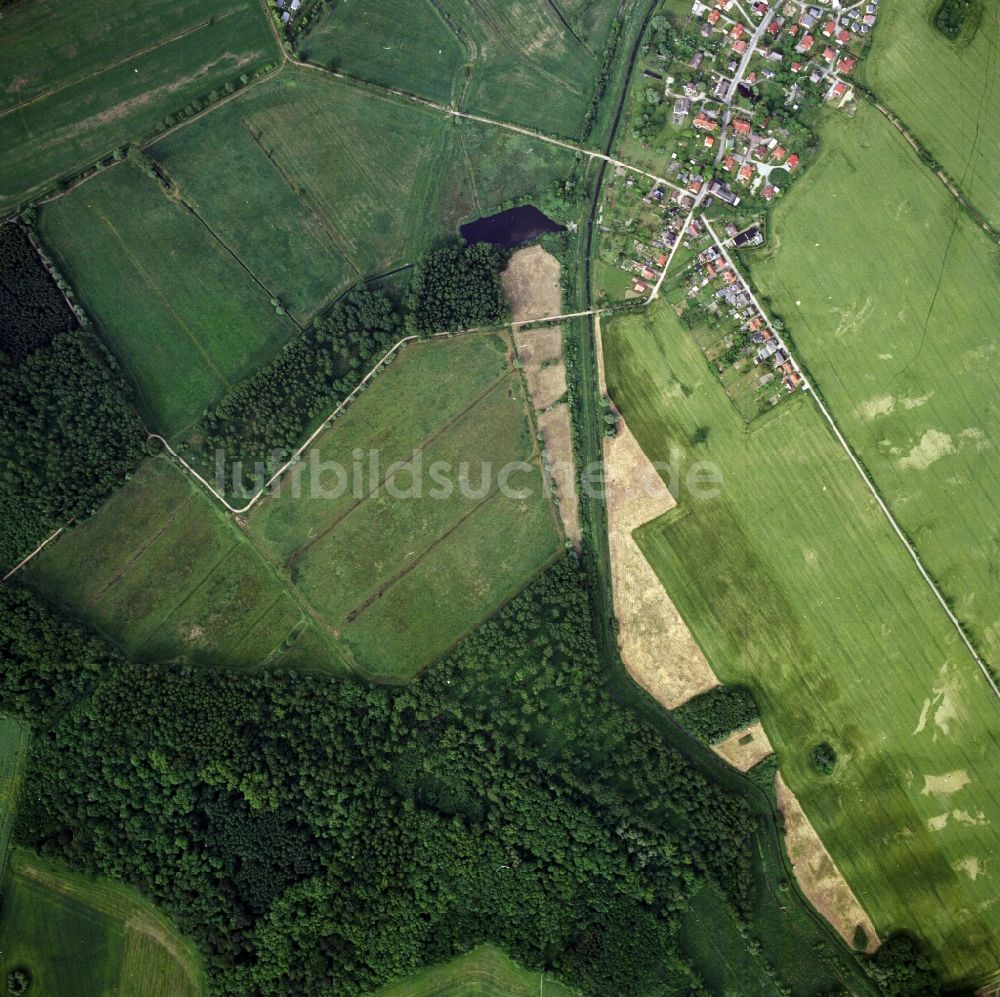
{"points": [[714, 715], [32, 310], [951, 16], [458, 287], [267, 414], [68, 435], [318, 836]]}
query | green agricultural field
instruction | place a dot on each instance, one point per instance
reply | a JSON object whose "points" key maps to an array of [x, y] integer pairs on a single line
{"points": [[943, 91], [534, 64], [77, 935], [180, 313], [340, 183], [13, 755], [402, 577], [409, 46], [485, 971], [793, 583], [160, 572], [83, 78], [893, 307]]}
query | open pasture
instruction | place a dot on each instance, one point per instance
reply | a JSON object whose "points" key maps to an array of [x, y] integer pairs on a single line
{"points": [[533, 64], [403, 572], [484, 972], [80, 79], [160, 572], [340, 183], [891, 297], [78, 935], [944, 91], [180, 313], [793, 583]]}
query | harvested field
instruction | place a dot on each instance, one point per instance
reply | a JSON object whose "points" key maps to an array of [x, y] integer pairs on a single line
{"points": [[532, 284], [744, 748], [820, 879], [656, 645]]}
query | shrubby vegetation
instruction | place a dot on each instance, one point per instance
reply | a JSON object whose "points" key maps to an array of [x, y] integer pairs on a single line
{"points": [[715, 714], [32, 310], [458, 287], [324, 837], [68, 435], [271, 409], [951, 17], [823, 758]]}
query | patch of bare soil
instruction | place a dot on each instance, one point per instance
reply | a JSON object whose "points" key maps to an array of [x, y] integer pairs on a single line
{"points": [[744, 748], [557, 437], [656, 645], [531, 283], [818, 876]]}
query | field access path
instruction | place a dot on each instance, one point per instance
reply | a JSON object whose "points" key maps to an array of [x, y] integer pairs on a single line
{"points": [[869, 484]]}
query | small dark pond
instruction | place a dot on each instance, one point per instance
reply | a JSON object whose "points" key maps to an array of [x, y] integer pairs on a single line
{"points": [[510, 228]]}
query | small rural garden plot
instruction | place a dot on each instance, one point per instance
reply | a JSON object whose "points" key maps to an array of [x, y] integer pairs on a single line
{"points": [[402, 579], [180, 313], [85, 78], [160, 572], [793, 583]]}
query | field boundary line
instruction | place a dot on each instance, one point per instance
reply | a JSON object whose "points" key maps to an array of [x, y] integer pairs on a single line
{"points": [[910, 549], [120, 62], [328, 421], [17, 567]]}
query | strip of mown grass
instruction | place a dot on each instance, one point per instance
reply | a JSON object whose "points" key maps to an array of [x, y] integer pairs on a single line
{"points": [[944, 91], [893, 307], [182, 316], [160, 572], [794, 584], [75, 934], [485, 970], [13, 755], [403, 574], [85, 78]]}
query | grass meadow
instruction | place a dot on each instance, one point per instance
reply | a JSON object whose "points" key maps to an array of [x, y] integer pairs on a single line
{"points": [[183, 317], [340, 183], [85, 78], [403, 579], [13, 755], [944, 91], [793, 583], [81, 935], [890, 294], [484, 971], [161, 572], [533, 64]]}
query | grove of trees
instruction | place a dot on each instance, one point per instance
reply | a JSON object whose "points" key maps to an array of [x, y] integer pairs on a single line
{"points": [[714, 715]]}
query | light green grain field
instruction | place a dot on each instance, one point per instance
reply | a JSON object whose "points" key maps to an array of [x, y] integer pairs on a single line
{"points": [[77, 935], [892, 298], [162, 573], [793, 583], [177, 309], [944, 91], [484, 972], [533, 64], [402, 577], [83, 78]]}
